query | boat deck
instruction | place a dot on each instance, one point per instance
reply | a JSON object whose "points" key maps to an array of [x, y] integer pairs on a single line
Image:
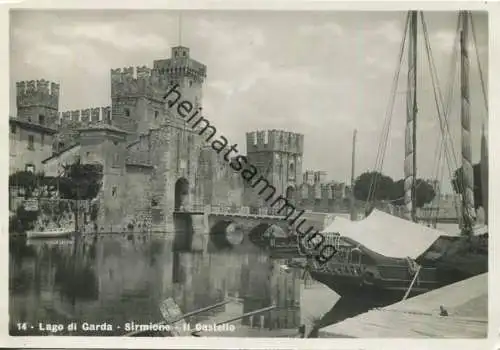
{"points": [[465, 302]]}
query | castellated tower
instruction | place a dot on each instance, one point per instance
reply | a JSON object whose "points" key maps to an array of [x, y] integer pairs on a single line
{"points": [[277, 155], [138, 94], [38, 102], [182, 70]]}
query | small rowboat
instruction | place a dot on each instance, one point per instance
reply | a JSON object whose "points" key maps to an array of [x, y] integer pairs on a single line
{"points": [[54, 233]]}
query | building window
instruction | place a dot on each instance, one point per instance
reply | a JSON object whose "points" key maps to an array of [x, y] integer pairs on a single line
{"points": [[41, 119], [13, 128], [190, 83], [61, 146], [156, 114], [29, 119], [184, 54], [29, 168], [127, 112], [113, 191], [31, 142]]}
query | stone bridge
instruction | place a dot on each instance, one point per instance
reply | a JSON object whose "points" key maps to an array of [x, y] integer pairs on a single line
{"points": [[220, 227]]}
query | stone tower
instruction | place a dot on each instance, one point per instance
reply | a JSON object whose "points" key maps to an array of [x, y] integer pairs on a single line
{"points": [[185, 72], [138, 93], [277, 155], [38, 102]]}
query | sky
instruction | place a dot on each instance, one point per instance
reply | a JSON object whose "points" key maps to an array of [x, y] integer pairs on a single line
{"points": [[322, 74]]}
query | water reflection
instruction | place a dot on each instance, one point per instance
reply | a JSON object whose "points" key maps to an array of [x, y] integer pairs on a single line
{"points": [[122, 278]]}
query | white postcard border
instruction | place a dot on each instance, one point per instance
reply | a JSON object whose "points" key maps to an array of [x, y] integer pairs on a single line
{"points": [[257, 343]]}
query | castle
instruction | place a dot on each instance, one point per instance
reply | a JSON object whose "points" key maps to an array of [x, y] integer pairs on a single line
{"points": [[153, 164]]}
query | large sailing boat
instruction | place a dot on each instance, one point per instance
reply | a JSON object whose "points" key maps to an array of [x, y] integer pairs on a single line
{"points": [[383, 259]]}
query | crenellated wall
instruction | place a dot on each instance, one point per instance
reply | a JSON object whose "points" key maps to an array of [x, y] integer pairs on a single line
{"points": [[277, 155], [38, 102], [37, 92], [275, 141], [71, 121], [84, 116], [138, 81]]}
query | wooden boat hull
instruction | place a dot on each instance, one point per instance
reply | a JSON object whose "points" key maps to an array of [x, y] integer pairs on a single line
{"points": [[383, 281], [49, 234], [378, 293]]}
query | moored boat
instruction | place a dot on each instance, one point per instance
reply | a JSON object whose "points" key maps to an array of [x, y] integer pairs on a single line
{"points": [[51, 233], [383, 258], [380, 261]]}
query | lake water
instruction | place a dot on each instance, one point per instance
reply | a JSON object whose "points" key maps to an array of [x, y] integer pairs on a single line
{"points": [[121, 278], [116, 279]]}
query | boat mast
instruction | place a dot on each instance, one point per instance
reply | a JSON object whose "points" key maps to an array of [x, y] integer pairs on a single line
{"points": [[484, 174], [468, 211], [353, 163], [411, 122]]}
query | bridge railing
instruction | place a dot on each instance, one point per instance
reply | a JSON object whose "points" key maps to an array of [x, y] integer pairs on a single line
{"points": [[244, 210]]}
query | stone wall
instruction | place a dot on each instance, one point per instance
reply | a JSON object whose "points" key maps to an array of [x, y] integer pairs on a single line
{"points": [[220, 183], [20, 151], [137, 207]]}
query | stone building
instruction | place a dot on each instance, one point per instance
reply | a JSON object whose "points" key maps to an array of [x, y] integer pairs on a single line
{"points": [[154, 163], [277, 155], [32, 133], [150, 156]]}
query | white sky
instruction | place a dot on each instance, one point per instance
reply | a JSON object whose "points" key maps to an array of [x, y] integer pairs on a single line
{"points": [[318, 73]]}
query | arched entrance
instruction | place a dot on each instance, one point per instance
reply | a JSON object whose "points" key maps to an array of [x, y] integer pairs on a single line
{"points": [[181, 194]]}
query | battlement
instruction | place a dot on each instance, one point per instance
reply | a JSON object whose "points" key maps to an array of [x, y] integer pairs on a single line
{"points": [[153, 82], [275, 141], [37, 93], [181, 66], [84, 116], [130, 81]]}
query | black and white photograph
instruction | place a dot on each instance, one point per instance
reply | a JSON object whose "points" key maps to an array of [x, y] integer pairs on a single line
{"points": [[248, 173]]}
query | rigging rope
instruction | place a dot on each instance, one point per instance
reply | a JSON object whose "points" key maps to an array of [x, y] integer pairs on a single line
{"points": [[438, 96], [443, 119], [387, 121], [439, 170]]}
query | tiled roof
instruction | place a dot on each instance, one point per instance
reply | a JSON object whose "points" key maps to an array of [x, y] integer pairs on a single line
{"points": [[33, 126], [64, 150]]}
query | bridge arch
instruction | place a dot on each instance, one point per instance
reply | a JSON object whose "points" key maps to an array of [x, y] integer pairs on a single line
{"points": [[181, 194], [262, 234], [226, 234]]}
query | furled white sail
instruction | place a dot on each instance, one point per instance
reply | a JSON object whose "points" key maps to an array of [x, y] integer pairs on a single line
{"points": [[468, 173], [387, 235]]}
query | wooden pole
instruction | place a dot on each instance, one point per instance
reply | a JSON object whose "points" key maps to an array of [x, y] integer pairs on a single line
{"points": [[353, 172]]}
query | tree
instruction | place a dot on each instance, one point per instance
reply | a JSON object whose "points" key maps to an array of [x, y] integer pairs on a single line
{"points": [[22, 220], [80, 181], [458, 184], [424, 193], [26, 180], [384, 186]]}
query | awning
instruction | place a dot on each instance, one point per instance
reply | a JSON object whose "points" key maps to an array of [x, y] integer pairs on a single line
{"points": [[387, 234]]}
